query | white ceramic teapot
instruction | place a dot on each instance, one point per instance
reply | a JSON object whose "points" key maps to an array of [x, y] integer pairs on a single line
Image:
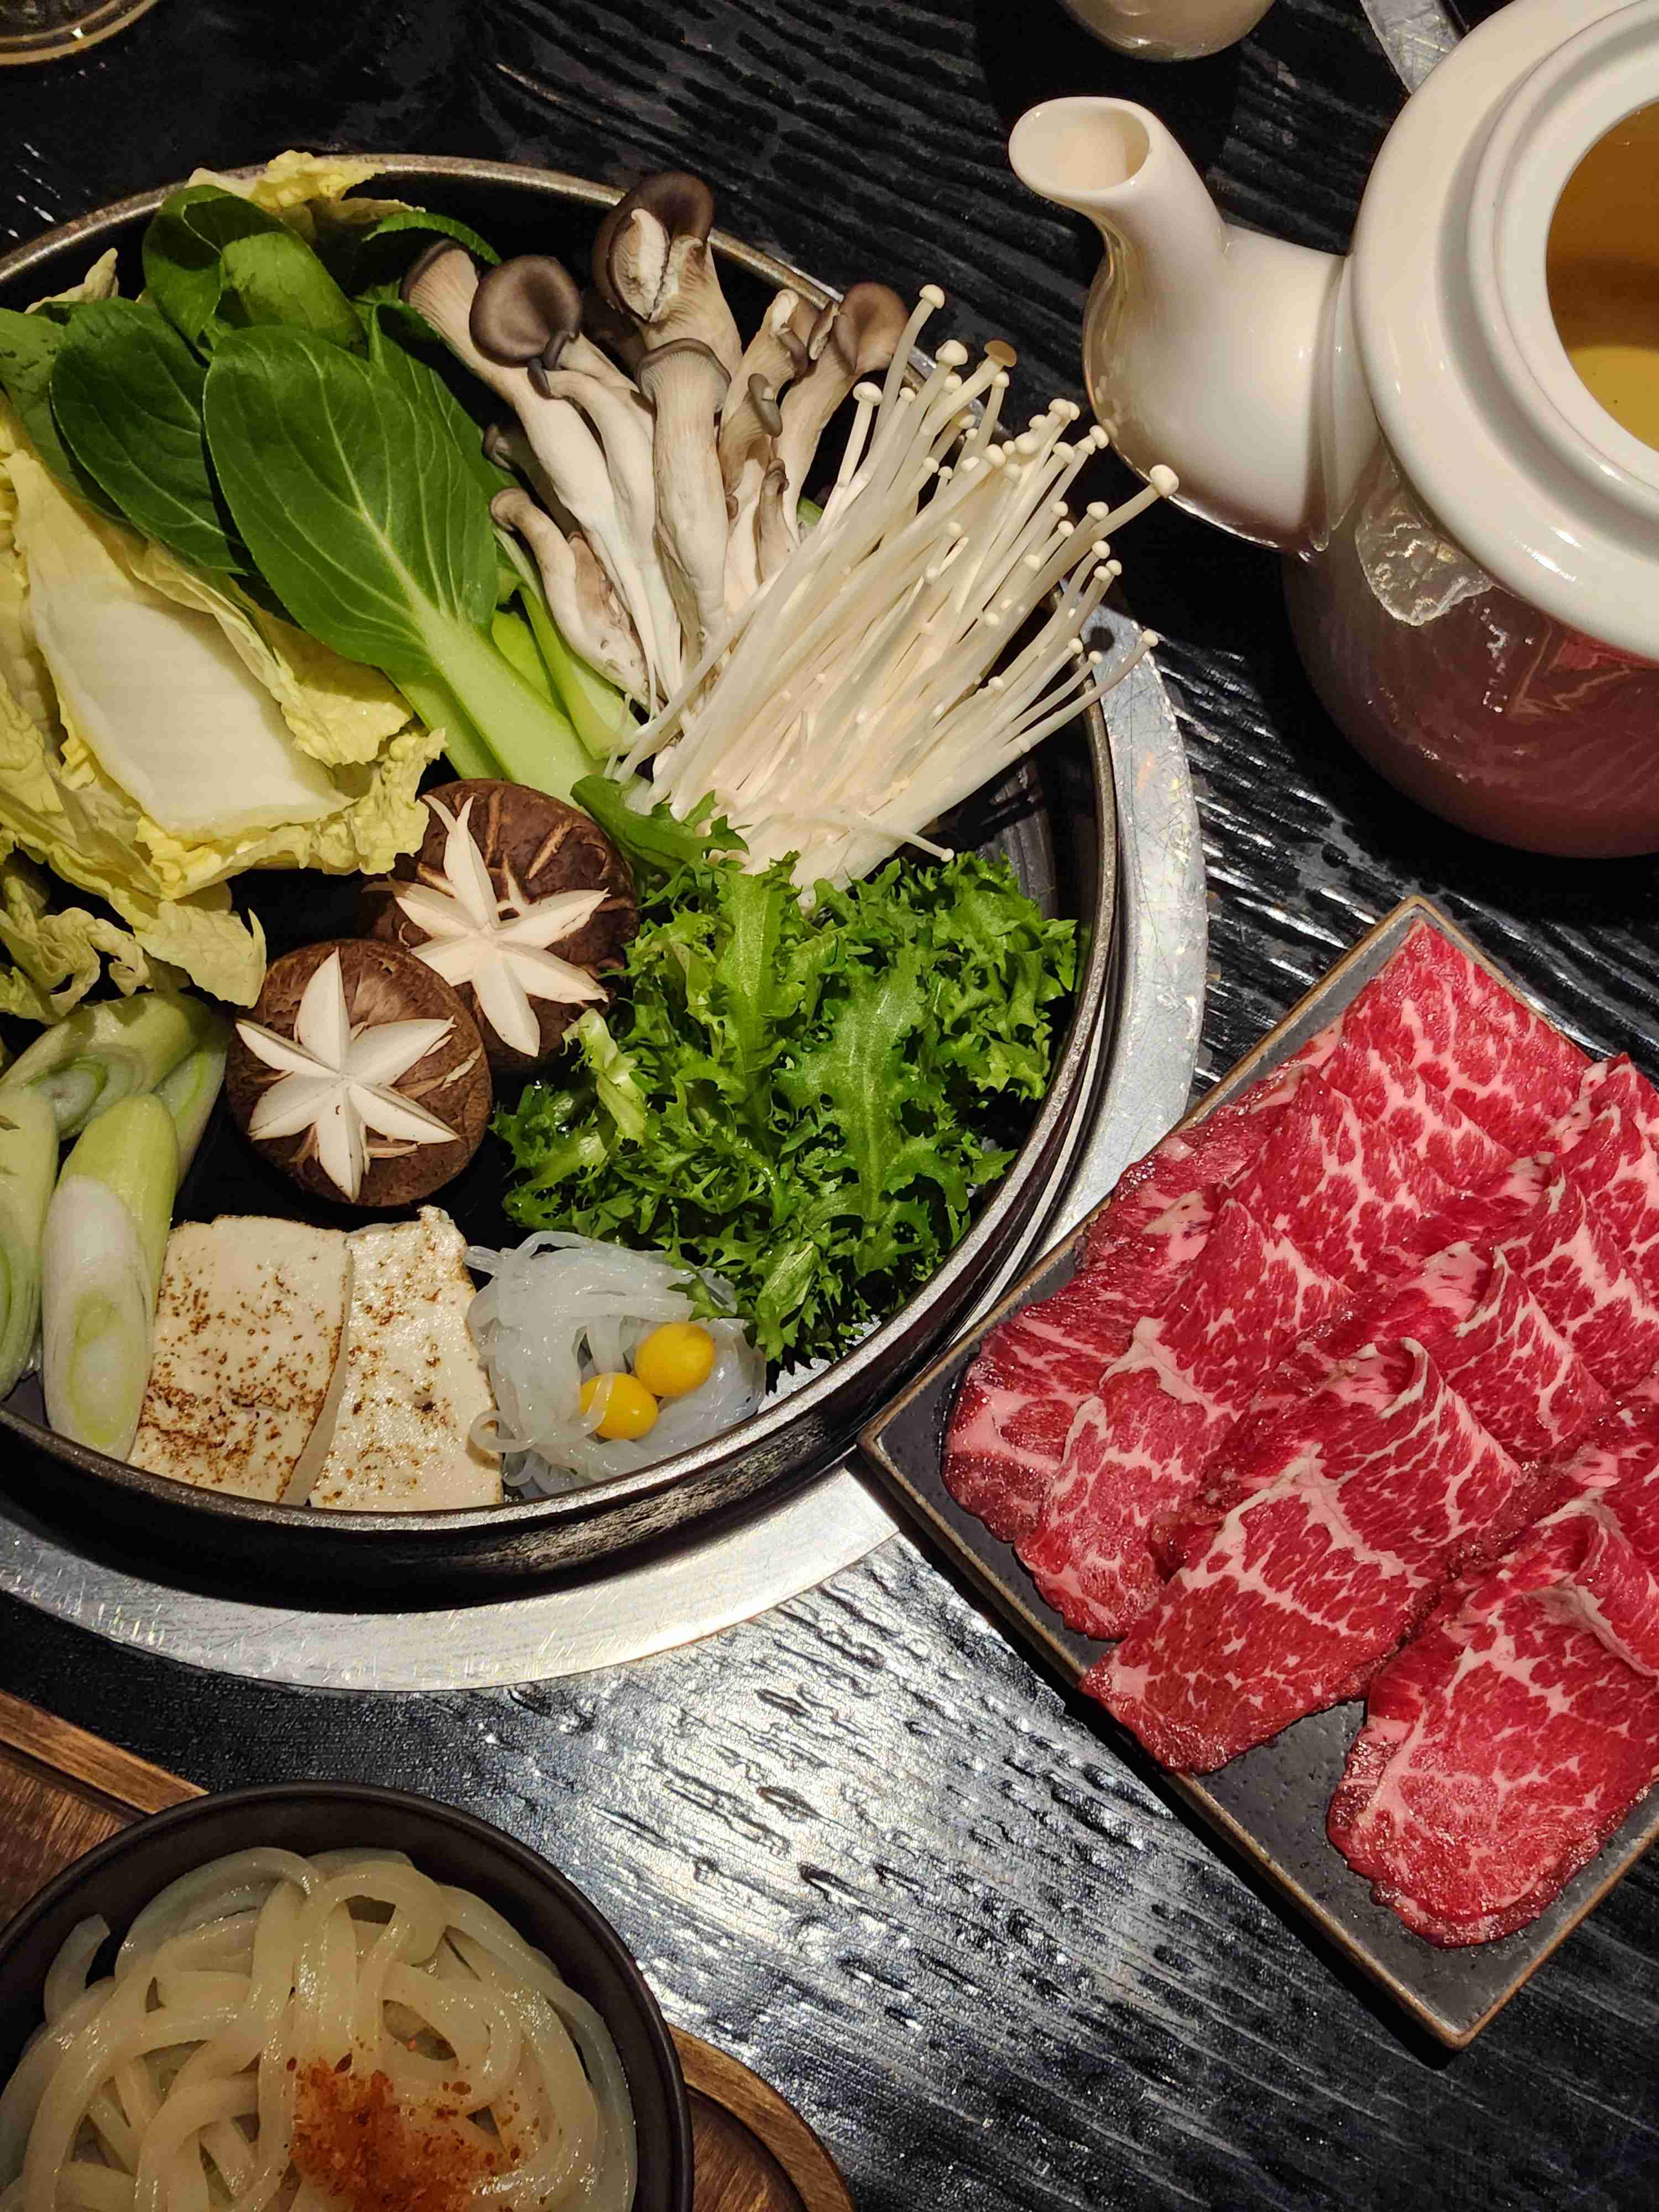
{"points": [[1474, 537]]}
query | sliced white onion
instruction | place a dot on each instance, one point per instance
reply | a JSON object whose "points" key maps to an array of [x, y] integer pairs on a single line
{"points": [[561, 1308]]}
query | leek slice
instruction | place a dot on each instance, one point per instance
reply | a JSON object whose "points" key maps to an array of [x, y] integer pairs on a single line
{"points": [[28, 1166], [191, 1091], [106, 1237], [102, 1053]]}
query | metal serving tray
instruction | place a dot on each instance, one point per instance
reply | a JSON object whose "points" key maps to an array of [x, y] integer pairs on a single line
{"points": [[1269, 1804]]}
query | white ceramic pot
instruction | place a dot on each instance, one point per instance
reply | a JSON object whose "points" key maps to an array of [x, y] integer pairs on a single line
{"points": [[1169, 30], [1473, 541]]}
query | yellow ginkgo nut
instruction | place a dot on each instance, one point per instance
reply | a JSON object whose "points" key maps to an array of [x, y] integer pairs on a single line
{"points": [[675, 1360], [627, 1410]]}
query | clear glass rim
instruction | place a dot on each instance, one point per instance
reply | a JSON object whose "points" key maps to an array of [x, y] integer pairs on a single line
{"points": [[58, 41]]}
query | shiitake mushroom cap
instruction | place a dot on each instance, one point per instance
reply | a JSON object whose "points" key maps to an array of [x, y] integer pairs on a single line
{"points": [[533, 845], [382, 983]]}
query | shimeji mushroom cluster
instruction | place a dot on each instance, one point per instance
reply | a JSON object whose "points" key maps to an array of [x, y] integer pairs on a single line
{"points": [[836, 688]]}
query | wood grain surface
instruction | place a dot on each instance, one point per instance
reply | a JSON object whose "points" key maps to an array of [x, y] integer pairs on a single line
{"points": [[62, 1790], [860, 1843]]}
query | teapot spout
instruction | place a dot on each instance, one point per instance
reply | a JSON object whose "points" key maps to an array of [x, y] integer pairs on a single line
{"points": [[1227, 356]]}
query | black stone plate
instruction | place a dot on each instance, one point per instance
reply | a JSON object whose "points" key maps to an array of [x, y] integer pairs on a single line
{"points": [[1269, 1804]]}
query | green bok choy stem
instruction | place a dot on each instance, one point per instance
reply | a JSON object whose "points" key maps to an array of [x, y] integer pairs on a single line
{"points": [[598, 711], [106, 1237], [28, 1166]]}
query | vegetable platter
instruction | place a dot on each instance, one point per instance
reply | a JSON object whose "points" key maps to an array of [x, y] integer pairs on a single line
{"points": [[325, 1105]]}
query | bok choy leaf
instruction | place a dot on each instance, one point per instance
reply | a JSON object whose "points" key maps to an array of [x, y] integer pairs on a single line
{"points": [[29, 347], [126, 396], [106, 1237], [184, 248], [363, 515]]}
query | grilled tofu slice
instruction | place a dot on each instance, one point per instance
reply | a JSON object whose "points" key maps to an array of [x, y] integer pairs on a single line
{"points": [[250, 1324], [414, 1384]]}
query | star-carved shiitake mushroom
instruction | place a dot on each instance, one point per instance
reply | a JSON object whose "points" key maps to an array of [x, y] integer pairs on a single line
{"points": [[360, 1073], [520, 901]]}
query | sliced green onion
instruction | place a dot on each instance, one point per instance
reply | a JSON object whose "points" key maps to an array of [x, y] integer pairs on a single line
{"points": [[100, 1054], [106, 1237], [28, 1167]]}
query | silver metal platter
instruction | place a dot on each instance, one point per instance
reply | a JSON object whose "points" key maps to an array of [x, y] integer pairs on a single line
{"points": [[794, 1540], [1414, 34]]}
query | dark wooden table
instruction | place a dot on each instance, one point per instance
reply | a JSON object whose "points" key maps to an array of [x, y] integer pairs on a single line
{"points": [[859, 1843]]}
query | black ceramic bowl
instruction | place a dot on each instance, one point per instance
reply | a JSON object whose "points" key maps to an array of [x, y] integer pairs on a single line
{"points": [[122, 1875]]}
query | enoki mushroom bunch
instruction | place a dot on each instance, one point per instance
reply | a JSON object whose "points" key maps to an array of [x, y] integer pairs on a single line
{"points": [[837, 688], [853, 700]]}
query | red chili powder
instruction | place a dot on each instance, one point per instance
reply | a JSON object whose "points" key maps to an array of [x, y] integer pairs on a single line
{"points": [[353, 2140]]}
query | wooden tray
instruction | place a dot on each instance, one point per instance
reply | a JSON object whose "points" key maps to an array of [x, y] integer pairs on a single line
{"points": [[62, 1790], [1269, 1805]]}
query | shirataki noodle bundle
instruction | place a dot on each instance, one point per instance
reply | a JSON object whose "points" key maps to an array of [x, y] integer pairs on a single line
{"points": [[295, 2032]]}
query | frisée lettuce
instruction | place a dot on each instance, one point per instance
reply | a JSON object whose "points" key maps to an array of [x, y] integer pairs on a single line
{"points": [[802, 1101]]}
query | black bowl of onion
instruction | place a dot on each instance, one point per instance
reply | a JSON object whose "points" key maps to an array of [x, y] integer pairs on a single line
{"points": [[380, 1996]]}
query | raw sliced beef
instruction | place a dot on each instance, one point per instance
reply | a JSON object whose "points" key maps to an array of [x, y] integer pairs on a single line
{"points": [[1336, 1184], [1503, 1748], [1138, 1448], [1415, 1114], [1200, 1156], [1383, 1486], [1618, 1463], [1492, 1342], [1570, 1263], [1017, 1401], [1487, 1217], [1433, 1010], [1610, 1083], [1612, 1163]]}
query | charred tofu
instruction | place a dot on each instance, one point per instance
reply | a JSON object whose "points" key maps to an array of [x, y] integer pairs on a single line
{"points": [[250, 1323], [413, 1383]]}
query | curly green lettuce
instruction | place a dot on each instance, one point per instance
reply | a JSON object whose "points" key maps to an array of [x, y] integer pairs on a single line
{"points": [[804, 1100]]}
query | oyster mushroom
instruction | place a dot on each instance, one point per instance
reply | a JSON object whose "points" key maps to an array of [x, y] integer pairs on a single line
{"points": [[683, 385], [443, 286], [652, 261], [774, 524], [520, 901], [748, 446], [776, 353], [861, 334], [622, 419], [613, 329], [528, 312], [525, 313], [361, 1074], [583, 601]]}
